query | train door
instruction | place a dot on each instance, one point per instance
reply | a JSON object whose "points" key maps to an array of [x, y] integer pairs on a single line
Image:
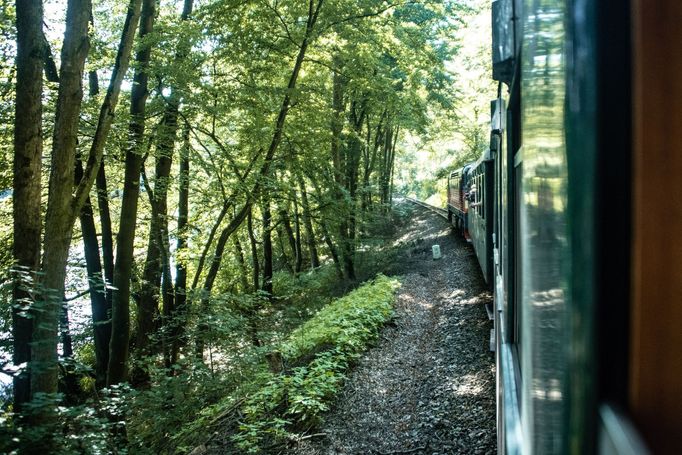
{"points": [[655, 359], [506, 70], [515, 264]]}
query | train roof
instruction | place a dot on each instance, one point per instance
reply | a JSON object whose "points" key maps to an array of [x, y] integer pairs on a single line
{"points": [[462, 170], [485, 156]]}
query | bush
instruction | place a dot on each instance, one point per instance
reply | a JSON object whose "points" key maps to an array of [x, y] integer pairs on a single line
{"points": [[293, 400]]}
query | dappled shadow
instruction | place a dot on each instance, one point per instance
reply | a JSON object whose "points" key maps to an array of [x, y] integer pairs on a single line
{"points": [[429, 384]]}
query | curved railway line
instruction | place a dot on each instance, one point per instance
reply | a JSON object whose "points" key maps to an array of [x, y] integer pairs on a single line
{"points": [[428, 385], [437, 210]]}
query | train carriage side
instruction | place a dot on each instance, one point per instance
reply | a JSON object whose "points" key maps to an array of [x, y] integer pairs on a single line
{"points": [[480, 214], [456, 199], [587, 309]]}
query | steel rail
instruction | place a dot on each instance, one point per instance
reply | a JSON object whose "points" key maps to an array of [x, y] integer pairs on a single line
{"points": [[437, 210]]}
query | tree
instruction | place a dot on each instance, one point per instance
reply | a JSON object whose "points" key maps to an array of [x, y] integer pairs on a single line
{"points": [[117, 370], [26, 184]]}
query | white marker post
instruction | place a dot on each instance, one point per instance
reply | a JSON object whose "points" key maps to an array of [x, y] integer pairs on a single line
{"points": [[436, 252]]}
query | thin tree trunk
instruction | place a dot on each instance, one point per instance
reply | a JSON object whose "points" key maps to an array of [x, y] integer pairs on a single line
{"points": [[371, 162], [254, 252], [99, 303], [70, 377], [180, 317], [267, 246], [285, 221], [391, 167], [354, 148], [338, 86], [148, 304], [284, 257], [96, 170], [308, 224], [120, 322], [108, 108], [297, 231], [107, 237], [165, 148], [60, 215], [28, 147], [241, 260], [168, 302], [100, 307], [385, 165], [325, 231]]}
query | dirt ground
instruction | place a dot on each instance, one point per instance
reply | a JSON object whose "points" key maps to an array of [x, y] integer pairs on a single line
{"points": [[428, 386]]}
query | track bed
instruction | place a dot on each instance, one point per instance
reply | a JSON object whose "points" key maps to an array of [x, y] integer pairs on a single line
{"points": [[428, 387]]}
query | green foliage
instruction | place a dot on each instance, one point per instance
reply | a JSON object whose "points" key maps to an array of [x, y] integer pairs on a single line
{"points": [[457, 134], [295, 399], [236, 67], [298, 297], [346, 322], [71, 430], [173, 415], [155, 414]]}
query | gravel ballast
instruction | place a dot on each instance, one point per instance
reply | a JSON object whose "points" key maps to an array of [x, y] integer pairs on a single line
{"points": [[428, 386]]}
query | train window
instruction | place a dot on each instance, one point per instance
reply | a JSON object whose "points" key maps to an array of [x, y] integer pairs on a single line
{"points": [[482, 204], [481, 195]]}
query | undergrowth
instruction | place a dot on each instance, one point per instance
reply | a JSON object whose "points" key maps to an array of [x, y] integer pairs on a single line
{"points": [[280, 406]]}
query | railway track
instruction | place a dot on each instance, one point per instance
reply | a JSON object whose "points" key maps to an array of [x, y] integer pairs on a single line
{"points": [[437, 210], [444, 213], [432, 368]]}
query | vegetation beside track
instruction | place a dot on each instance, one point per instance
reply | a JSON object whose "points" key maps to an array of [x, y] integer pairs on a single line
{"points": [[312, 363]]}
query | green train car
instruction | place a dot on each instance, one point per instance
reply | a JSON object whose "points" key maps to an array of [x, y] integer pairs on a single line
{"points": [[577, 223]]}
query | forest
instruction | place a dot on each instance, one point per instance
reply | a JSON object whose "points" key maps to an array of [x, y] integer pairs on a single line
{"points": [[197, 203]]}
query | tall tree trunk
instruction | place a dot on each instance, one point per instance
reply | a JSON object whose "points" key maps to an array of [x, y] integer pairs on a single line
{"points": [[284, 257], [385, 165], [285, 221], [241, 260], [95, 167], [297, 231], [255, 265], [164, 158], [391, 167], [70, 387], [340, 159], [370, 160], [120, 322], [267, 246], [333, 251], [180, 317], [28, 147], [148, 316], [107, 241], [100, 307], [338, 87], [60, 215], [100, 303], [354, 150], [308, 224], [168, 302]]}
